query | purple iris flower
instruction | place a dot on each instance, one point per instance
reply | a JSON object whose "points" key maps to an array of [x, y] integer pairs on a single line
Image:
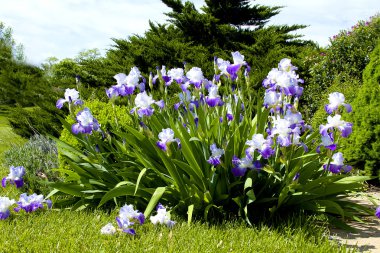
{"points": [[298, 90], [195, 76], [285, 79], [263, 146], [337, 166], [126, 216], [295, 118], [162, 217], [286, 65], [177, 74], [232, 69], [287, 83], [167, 79], [71, 96], [166, 137], [86, 123], [222, 66], [213, 99], [241, 165], [5, 203], [216, 154], [108, 229], [127, 211], [377, 212], [161, 104], [125, 224], [122, 88], [271, 79], [141, 87], [15, 176], [32, 202], [112, 92], [327, 142], [335, 122], [296, 177], [126, 84], [336, 99], [281, 128], [272, 99], [143, 104]]}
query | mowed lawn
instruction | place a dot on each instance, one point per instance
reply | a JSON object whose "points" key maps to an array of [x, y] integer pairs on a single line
{"points": [[7, 136]]}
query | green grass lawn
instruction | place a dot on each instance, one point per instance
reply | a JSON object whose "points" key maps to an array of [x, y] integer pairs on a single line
{"points": [[67, 231], [7, 136], [79, 231]]}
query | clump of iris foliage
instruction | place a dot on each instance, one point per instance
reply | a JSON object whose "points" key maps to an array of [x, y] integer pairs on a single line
{"points": [[205, 154]]}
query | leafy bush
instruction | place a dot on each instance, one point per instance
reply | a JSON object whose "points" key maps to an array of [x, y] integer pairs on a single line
{"points": [[342, 61], [210, 156], [39, 157], [109, 115], [363, 147]]}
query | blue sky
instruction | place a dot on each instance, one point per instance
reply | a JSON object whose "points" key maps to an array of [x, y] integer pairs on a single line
{"points": [[63, 28]]}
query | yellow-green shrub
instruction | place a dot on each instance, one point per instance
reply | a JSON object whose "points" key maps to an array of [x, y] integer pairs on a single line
{"points": [[105, 113]]}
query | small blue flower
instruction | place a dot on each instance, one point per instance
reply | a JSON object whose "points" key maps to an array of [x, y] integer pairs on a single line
{"points": [[15, 176]]}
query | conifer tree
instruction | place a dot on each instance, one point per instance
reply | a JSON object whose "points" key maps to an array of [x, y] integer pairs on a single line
{"points": [[219, 28]]}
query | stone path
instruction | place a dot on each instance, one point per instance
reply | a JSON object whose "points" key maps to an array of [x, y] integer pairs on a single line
{"points": [[367, 238]]}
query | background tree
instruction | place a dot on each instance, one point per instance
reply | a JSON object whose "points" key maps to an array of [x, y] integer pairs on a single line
{"points": [[26, 96], [197, 36], [363, 147], [339, 66]]}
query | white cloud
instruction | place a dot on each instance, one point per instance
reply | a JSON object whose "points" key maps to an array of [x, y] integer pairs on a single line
{"points": [[62, 28]]}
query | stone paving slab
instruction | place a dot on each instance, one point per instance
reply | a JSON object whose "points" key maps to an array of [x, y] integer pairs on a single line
{"points": [[367, 237]]}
